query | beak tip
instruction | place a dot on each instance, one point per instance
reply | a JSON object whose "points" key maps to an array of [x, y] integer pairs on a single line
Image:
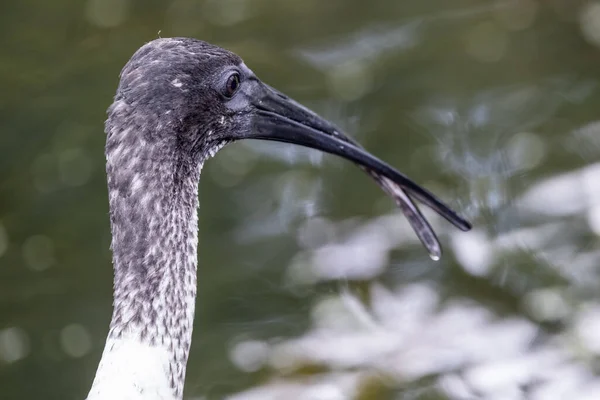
{"points": [[465, 226]]}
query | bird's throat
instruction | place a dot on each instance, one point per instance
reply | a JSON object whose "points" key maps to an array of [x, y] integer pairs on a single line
{"points": [[154, 228]]}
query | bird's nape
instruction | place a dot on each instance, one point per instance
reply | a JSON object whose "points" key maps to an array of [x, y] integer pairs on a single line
{"points": [[276, 117]]}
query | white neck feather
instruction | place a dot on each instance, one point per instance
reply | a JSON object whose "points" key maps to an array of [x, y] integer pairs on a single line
{"points": [[132, 370]]}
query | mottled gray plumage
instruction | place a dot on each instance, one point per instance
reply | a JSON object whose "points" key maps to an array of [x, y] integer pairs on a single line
{"points": [[154, 151], [180, 100]]}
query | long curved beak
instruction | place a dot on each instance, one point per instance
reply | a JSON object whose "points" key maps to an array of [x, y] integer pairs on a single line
{"points": [[279, 118]]}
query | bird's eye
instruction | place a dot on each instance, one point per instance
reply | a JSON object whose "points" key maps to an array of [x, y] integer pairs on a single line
{"points": [[232, 85]]}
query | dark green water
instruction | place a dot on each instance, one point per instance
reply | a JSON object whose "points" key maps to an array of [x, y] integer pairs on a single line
{"points": [[480, 101]]}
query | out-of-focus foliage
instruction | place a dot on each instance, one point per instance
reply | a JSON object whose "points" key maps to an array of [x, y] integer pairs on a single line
{"points": [[311, 285]]}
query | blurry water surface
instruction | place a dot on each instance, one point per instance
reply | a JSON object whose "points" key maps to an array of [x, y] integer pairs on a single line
{"points": [[311, 284]]}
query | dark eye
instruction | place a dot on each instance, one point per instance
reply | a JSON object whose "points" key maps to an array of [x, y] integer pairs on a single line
{"points": [[232, 85]]}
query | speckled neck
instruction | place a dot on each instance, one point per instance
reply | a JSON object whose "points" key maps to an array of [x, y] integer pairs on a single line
{"points": [[153, 195]]}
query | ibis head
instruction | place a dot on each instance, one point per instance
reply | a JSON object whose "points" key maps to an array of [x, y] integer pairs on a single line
{"points": [[191, 98]]}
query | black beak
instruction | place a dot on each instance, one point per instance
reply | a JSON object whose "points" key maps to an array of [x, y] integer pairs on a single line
{"points": [[277, 117]]}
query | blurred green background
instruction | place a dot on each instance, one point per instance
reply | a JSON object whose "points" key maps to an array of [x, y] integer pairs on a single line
{"points": [[493, 105]]}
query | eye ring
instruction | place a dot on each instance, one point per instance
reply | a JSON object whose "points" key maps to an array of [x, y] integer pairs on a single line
{"points": [[232, 85]]}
